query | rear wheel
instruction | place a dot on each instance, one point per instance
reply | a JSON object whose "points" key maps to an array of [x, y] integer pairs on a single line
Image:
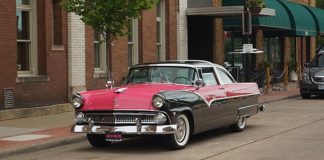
{"points": [[97, 140], [239, 125], [179, 139]]}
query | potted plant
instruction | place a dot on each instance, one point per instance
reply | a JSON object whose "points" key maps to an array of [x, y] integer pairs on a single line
{"points": [[292, 66], [255, 6]]}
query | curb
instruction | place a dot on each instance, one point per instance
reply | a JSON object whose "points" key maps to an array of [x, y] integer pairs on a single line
{"points": [[42, 146], [280, 99], [35, 111]]}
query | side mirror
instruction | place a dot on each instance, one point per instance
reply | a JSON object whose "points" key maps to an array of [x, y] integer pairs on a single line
{"points": [[198, 83], [110, 84]]}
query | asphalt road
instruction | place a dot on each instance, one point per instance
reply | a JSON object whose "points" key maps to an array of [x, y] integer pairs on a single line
{"points": [[290, 129]]}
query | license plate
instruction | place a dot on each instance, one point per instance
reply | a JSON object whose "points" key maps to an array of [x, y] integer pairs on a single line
{"points": [[114, 137], [321, 87]]}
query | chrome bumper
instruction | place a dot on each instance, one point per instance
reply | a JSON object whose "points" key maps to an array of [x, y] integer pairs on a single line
{"points": [[138, 129]]}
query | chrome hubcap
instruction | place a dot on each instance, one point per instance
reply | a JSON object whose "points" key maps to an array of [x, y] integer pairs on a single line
{"points": [[181, 130], [241, 122]]}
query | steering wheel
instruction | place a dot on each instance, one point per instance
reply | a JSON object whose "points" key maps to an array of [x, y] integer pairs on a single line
{"points": [[176, 78]]}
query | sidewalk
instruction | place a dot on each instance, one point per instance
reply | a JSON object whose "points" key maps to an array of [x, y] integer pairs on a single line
{"points": [[36, 133]]}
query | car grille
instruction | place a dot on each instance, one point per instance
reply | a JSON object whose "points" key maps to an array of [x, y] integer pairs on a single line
{"points": [[120, 118], [318, 79]]}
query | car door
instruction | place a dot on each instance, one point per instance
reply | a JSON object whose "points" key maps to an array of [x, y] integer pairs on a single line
{"points": [[214, 96]]}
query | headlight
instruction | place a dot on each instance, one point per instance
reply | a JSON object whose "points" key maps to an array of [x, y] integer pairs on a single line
{"points": [[79, 118], [77, 101], [158, 102], [305, 77]]}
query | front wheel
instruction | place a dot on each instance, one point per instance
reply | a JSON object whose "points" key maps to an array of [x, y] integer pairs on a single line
{"points": [[97, 140], [179, 139], [239, 125], [306, 96]]}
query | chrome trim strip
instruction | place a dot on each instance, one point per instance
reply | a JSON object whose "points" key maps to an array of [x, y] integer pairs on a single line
{"points": [[248, 106], [218, 99], [130, 130], [315, 81], [117, 121]]}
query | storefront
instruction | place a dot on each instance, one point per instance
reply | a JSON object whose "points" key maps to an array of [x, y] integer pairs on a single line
{"points": [[284, 30]]}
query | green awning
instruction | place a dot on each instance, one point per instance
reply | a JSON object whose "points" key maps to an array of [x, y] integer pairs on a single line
{"points": [[289, 16], [303, 21], [318, 15], [280, 21]]}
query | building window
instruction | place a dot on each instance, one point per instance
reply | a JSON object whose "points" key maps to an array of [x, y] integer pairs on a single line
{"points": [[26, 37], [99, 52], [133, 43], [57, 23], [160, 30]]}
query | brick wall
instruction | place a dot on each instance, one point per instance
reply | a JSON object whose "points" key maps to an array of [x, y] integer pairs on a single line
{"points": [[50, 85], [8, 46], [182, 31], [171, 29], [76, 47]]}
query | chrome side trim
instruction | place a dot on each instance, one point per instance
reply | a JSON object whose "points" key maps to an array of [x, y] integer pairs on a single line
{"points": [[312, 79], [219, 99], [128, 130]]}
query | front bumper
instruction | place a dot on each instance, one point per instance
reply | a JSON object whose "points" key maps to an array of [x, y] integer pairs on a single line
{"points": [[128, 130], [310, 88]]}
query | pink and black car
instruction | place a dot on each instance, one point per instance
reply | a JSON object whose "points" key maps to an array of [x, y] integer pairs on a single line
{"points": [[175, 99]]}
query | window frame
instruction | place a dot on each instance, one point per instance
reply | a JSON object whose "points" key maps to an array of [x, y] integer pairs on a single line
{"points": [[133, 56], [160, 30], [32, 9], [218, 70], [102, 53]]}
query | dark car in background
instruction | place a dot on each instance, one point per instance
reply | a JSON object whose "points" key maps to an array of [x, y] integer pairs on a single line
{"points": [[312, 82]]}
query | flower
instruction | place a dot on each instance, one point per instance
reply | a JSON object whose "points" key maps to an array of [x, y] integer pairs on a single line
{"points": [[255, 3]]}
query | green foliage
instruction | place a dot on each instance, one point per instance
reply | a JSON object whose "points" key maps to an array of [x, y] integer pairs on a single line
{"points": [[255, 3], [108, 17], [320, 4], [292, 65]]}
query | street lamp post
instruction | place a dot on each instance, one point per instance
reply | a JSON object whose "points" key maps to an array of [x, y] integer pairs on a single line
{"points": [[246, 31]]}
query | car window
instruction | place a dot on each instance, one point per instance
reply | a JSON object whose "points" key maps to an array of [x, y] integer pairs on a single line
{"points": [[318, 61], [224, 77], [209, 76], [162, 74]]}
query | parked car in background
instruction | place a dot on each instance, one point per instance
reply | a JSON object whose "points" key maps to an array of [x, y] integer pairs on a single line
{"points": [[175, 99], [312, 82]]}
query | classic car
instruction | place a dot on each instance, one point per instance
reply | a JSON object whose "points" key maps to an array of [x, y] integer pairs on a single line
{"points": [[173, 99], [312, 82]]}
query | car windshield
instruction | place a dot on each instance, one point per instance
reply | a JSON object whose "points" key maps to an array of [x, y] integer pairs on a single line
{"points": [[318, 61], [159, 74]]}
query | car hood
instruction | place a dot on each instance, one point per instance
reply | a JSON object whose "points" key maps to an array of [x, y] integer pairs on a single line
{"points": [[126, 97], [316, 71]]}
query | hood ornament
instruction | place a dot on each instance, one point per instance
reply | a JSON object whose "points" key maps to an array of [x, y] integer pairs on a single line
{"points": [[120, 90]]}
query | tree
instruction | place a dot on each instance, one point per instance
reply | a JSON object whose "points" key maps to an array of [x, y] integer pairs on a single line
{"points": [[108, 17]]}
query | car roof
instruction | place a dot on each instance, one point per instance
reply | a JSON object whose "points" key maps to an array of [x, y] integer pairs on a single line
{"points": [[181, 63]]}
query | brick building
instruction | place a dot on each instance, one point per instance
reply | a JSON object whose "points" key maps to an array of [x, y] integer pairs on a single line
{"points": [[47, 54], [33, 55]]}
